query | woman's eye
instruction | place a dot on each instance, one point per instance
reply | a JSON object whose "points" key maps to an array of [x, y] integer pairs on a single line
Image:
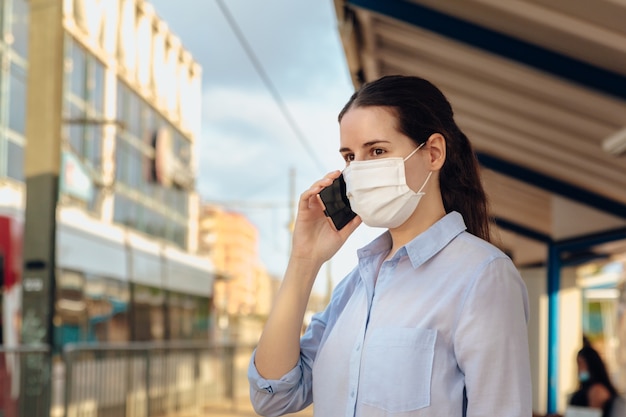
{"points": [[377, 152], [348, 157]]}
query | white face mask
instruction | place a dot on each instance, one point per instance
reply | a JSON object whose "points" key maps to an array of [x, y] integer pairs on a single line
{"points": [[378, 191]]}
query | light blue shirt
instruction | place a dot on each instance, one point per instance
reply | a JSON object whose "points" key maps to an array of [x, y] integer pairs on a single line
{"points": [[405, 336]]}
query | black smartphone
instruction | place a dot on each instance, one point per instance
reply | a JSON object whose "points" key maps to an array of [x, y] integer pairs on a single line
{"points": [[336, 203]]}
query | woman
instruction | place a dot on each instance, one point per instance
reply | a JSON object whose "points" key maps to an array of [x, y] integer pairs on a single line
{"points": [[596, 389], [432, 320]]}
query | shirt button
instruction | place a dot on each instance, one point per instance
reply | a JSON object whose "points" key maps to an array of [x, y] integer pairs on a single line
{"points": [[352, 394], [358, 347]]}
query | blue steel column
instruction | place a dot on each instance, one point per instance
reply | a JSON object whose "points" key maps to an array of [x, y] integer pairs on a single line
{"points": [[554, 285]]}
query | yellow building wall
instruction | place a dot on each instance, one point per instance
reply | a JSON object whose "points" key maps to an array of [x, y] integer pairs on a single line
{"points": [[231, 241]]}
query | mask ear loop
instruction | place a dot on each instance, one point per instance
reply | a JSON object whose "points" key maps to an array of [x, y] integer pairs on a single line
{"points": [[413, 153], [425, 182], [429, 173]]}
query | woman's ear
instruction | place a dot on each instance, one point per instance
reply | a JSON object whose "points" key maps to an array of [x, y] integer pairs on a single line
{"points": [[436, 146]]}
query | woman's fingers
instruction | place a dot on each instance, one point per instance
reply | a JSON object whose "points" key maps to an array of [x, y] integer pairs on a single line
{"points": [[319, 185]]}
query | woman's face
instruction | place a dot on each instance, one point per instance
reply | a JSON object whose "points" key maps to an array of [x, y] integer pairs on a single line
{"points": [[368, 133]]}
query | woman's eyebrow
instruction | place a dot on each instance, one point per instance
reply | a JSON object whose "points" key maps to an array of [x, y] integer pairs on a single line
{"points": [[374, 142], [367, 144]]}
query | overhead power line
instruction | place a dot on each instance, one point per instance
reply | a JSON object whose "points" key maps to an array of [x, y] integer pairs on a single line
{"points": [[268, 83], [249, 205]]}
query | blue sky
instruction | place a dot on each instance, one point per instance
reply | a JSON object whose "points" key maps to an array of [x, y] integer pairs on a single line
{"points": [[247, 146]]}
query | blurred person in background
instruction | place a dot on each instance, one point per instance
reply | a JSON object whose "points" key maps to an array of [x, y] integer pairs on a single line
{"points": [[433, 319], [595, 388]]}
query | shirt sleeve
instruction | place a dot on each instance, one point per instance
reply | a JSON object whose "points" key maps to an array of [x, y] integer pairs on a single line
{"points": [[271, 397], [294, 391], [491, 343]]}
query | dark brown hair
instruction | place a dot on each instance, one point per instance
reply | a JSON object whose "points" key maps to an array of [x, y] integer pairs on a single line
{"points": [[421, 110]]}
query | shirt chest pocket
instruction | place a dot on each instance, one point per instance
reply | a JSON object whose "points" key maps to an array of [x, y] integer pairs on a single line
{"points": [[396, 369]]}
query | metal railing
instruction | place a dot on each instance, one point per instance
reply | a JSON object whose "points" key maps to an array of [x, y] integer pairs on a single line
{"points": [[129, 380]]}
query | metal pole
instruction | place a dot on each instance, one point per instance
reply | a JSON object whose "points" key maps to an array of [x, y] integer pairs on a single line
{"points": [[69, 357], [292, 206], [41, 168], [554, 285], [148, 361]]}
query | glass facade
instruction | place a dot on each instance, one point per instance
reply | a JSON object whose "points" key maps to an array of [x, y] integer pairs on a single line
{"points": [[107, 304], [159, 314], [108, 168], [84, 104], [141, 201], [82, 133], [13, 69], [188, 317], [18, 22], [96, 308]]}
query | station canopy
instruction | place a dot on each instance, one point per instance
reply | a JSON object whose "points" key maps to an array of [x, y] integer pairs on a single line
{"points": [[539, 87]]}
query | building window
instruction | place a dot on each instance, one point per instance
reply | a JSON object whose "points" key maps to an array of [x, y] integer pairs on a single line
{"points": [[140, 201], [148, 305], [96, 87], [70, 308], [78, 69], [184, 316], [107, 303], [3, 5], [75, 128], [17, 99], [19, 27], [15, 160], [138, 213], [13, 79], [84, 103]]}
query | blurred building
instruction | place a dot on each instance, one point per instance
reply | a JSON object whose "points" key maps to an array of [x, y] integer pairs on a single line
{"points": [[246, 290], [127, 217]]}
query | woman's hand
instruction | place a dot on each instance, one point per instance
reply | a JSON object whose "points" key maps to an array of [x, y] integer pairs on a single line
{"points": [[314, 236], [314, 241]]}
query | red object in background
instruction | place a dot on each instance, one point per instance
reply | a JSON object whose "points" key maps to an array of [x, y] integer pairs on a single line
{"points": [[11, 238], [8, 404], [11, 241]]}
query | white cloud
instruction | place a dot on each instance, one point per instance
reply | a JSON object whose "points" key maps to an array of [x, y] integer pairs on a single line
{"points": [[251, 112], [245, 134]]}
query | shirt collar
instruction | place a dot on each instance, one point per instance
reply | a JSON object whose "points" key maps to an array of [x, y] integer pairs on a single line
{"points": [[424, 246]]}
